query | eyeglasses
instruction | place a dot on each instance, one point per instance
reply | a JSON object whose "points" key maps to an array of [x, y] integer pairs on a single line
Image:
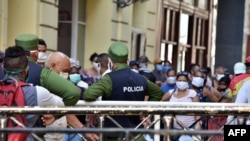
{"points": [[183, 73]]}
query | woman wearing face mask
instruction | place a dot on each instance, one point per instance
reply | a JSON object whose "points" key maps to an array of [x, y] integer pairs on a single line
{"points": [[92, 74], [170, 83], [197, 84], [183, 94]]}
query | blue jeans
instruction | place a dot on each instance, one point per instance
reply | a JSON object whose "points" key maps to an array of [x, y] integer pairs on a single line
{"points": [[72, 137]]}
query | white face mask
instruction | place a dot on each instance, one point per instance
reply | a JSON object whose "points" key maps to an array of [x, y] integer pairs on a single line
{"points": [[181, 85], [198, 81], [171, 80], [142, 65], [97, 67], [219, 76], [134, 70], [110, 65], [42, 56], [64, 75]]}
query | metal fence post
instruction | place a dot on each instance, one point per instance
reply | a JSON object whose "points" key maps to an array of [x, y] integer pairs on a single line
{"points": [[101, 120], [3, 124], [168, 123], [157, 126]]}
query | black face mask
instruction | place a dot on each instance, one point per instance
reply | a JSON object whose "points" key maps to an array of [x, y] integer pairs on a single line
{"points": [[222, 90]]}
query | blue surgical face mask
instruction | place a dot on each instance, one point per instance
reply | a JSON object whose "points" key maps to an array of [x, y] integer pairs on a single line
{"points": [[74, 78], [166, 68], [159, 67]]}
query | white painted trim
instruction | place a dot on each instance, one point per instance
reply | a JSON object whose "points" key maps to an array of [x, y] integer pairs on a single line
{"points": [[138, 30], [74, 29], [82, 23]]}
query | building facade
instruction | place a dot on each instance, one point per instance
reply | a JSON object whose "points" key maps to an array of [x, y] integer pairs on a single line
{"points": [[181, 31]]}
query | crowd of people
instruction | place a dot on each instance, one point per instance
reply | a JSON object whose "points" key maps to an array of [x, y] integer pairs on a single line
{"points": [[58, 80]]}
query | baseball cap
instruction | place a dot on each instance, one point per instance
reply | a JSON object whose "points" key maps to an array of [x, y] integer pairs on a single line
{"points": [[134, 62], [239, 68], [158, 60]]}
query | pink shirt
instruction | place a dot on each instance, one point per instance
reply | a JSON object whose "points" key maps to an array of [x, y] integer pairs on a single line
{"points": [[185, 120]]}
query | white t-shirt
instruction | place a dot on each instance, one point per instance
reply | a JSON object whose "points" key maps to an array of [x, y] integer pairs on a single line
{"points": [[45, 98]]}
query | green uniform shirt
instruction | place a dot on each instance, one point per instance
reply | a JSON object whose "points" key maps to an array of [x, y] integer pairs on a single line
{"points": [[103, 87], [57, 85], [60, 86]]}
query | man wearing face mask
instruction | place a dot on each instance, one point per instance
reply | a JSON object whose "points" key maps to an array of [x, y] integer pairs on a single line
{"points": [[197, 83], [104, 64], [158, 71], [166, 66], [170, 82], [143, 64], [75, 77], [45, 77], [134, 65], [219, 73], [42, 48], [60, 63]]}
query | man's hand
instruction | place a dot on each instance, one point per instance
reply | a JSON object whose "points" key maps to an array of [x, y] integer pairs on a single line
{"points": [[48, 119], [91, 137], [91, 120]]}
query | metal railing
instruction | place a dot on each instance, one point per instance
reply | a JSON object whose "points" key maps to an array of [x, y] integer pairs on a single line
{"points": [[104, 108]]}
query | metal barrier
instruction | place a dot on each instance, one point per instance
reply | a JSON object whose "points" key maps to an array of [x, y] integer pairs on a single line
{"points": [[165, 109]]}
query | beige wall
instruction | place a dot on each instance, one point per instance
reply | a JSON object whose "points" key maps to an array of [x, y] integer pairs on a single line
{"points": [[48, 23], [151, 29], [3, 24], [98, 28], [33, 17], [22, 18], [104, 23]]}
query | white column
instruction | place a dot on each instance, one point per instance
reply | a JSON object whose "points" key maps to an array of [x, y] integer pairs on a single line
{"points": [[74, 29]]}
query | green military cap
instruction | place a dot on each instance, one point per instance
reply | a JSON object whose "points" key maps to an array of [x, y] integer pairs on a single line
{"points": [[118, 52], [27, 41]]}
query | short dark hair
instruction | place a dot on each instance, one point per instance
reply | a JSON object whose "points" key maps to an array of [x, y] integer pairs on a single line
{"points": [[225, 81], [148, 75], [42, 42], [103, 59], [182, 73], [171, 69], [192, 66], [15, 59], [93, 56]]}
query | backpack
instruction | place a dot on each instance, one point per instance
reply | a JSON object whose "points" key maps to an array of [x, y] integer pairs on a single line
{"points": [[11, 94]]}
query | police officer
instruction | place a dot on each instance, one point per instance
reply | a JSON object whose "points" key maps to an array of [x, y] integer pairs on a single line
{"points": [[45, 77], [122, 84]]}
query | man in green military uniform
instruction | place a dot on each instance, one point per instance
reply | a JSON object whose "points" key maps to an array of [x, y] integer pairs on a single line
{"points": [[122, 84], [44, 76]]}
